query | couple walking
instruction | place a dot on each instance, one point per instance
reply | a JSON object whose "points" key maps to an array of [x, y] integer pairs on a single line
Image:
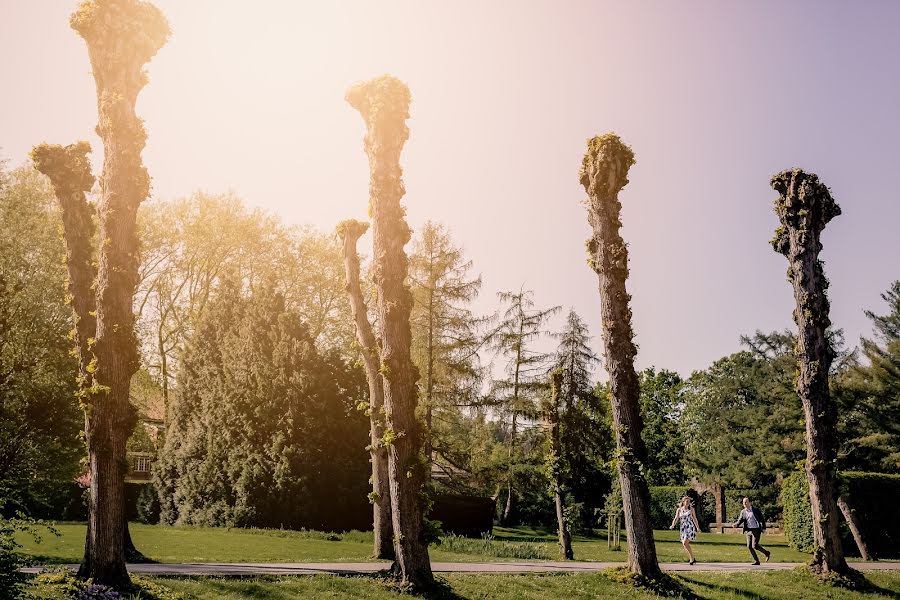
{"points": [[751, 520]]}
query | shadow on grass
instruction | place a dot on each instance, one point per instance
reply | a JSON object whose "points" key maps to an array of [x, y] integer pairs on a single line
{"points": [[726, 588]]}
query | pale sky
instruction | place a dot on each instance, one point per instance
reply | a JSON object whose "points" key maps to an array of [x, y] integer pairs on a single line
{"points": [[714, 97]]}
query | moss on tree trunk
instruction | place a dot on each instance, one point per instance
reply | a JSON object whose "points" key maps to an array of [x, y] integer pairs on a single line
{"points": [[383, 103], [804, 207], [604, 172], [121, 36]]}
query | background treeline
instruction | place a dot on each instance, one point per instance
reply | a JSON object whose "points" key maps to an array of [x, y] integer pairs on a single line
{"points": [[248, 355]]}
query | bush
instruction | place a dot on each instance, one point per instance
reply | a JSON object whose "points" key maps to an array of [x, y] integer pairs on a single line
{"points": [[664, 500], [488, 546], [797, 512], [872, 495]]}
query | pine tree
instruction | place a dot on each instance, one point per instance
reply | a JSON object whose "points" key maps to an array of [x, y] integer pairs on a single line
{"points": [[516, 396], [604, 172], [870, 417], [446, 334], [383, 103], [585, 438], [804, 207]]}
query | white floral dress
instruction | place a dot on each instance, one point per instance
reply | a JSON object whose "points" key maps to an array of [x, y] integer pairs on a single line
{"points": [[688, 531]]}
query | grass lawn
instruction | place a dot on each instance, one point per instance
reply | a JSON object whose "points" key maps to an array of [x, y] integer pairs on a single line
{"points": [[784, 585], [193, 544]]}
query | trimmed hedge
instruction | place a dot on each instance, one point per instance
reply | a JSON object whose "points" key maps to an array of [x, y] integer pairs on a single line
{"points": [[797, 513], [874, 497]]}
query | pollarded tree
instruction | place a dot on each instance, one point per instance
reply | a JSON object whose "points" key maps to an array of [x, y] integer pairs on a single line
{"points": [[516, 396], [349, 232], [604, 172], [383, 103], [804, 207], [554, 463], [121, 36], [446, 335]]}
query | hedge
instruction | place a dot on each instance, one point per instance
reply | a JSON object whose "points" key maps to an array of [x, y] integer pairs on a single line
{"points": [[873, 496]]}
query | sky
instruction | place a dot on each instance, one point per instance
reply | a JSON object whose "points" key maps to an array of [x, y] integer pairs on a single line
{"points": [[713, 97]]}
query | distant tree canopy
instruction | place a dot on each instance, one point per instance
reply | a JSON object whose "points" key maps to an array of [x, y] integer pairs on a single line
{"points": [[869, 395], [40, 419], [264, 430]]}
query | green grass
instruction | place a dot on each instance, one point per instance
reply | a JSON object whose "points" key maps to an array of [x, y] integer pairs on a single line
{"points": [[785, 585], [195, 544]]}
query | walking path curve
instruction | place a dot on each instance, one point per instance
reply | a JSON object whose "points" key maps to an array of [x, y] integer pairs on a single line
{"points": [[250, 569]]}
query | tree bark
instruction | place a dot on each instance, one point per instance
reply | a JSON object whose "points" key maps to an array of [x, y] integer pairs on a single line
{"points": [[384, 105], [804, 207], [552, 416], [121, 35], [350, 231], [604, 173], [69, 171], [855, 527]]}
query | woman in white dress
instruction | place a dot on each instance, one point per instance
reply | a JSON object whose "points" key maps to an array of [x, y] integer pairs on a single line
{"points": [[689, 525]]}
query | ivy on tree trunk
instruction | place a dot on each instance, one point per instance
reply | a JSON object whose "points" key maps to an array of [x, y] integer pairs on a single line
{"points": [[383, 103], [804, 207], [121, 36], [604, 172], [349, 232]]}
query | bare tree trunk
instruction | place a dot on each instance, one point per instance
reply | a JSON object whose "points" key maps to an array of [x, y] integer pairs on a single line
{"points": [[804, 207], [384, 105], [604, 173], [121, 35], [855, 528], [565, 539], [350, 231]]}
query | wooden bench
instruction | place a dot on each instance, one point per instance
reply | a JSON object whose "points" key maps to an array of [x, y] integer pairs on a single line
{"points": [[773, 528]]}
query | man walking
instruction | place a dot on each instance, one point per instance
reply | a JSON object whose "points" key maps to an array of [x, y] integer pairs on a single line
{"points": [[753, 523]]}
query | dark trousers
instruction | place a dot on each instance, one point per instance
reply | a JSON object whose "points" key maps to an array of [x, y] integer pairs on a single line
{"points": [[753, 543]]}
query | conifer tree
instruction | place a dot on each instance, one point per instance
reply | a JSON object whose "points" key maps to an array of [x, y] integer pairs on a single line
{"points": [[349, 231], [516, 396], [805, 206], [446, 335], [383, 103], [585, 438], [604, 172]]}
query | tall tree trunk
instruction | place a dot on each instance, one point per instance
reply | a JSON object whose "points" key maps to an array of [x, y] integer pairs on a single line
{"points": [[350, 231], [804, 207], [510, 490], [604, 173], [855, 527], [121, 35], [429, 383], [384, 105], [69, 172], [552, 415]]}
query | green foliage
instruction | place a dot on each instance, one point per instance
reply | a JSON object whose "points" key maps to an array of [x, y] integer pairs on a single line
{"points": [[872, 495], [446, 337], [664, 499], [662, 402], [797, 513], [743, 422], [264, 429], [39, 415], [488, 545], [868, 396], [585, 426]]}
